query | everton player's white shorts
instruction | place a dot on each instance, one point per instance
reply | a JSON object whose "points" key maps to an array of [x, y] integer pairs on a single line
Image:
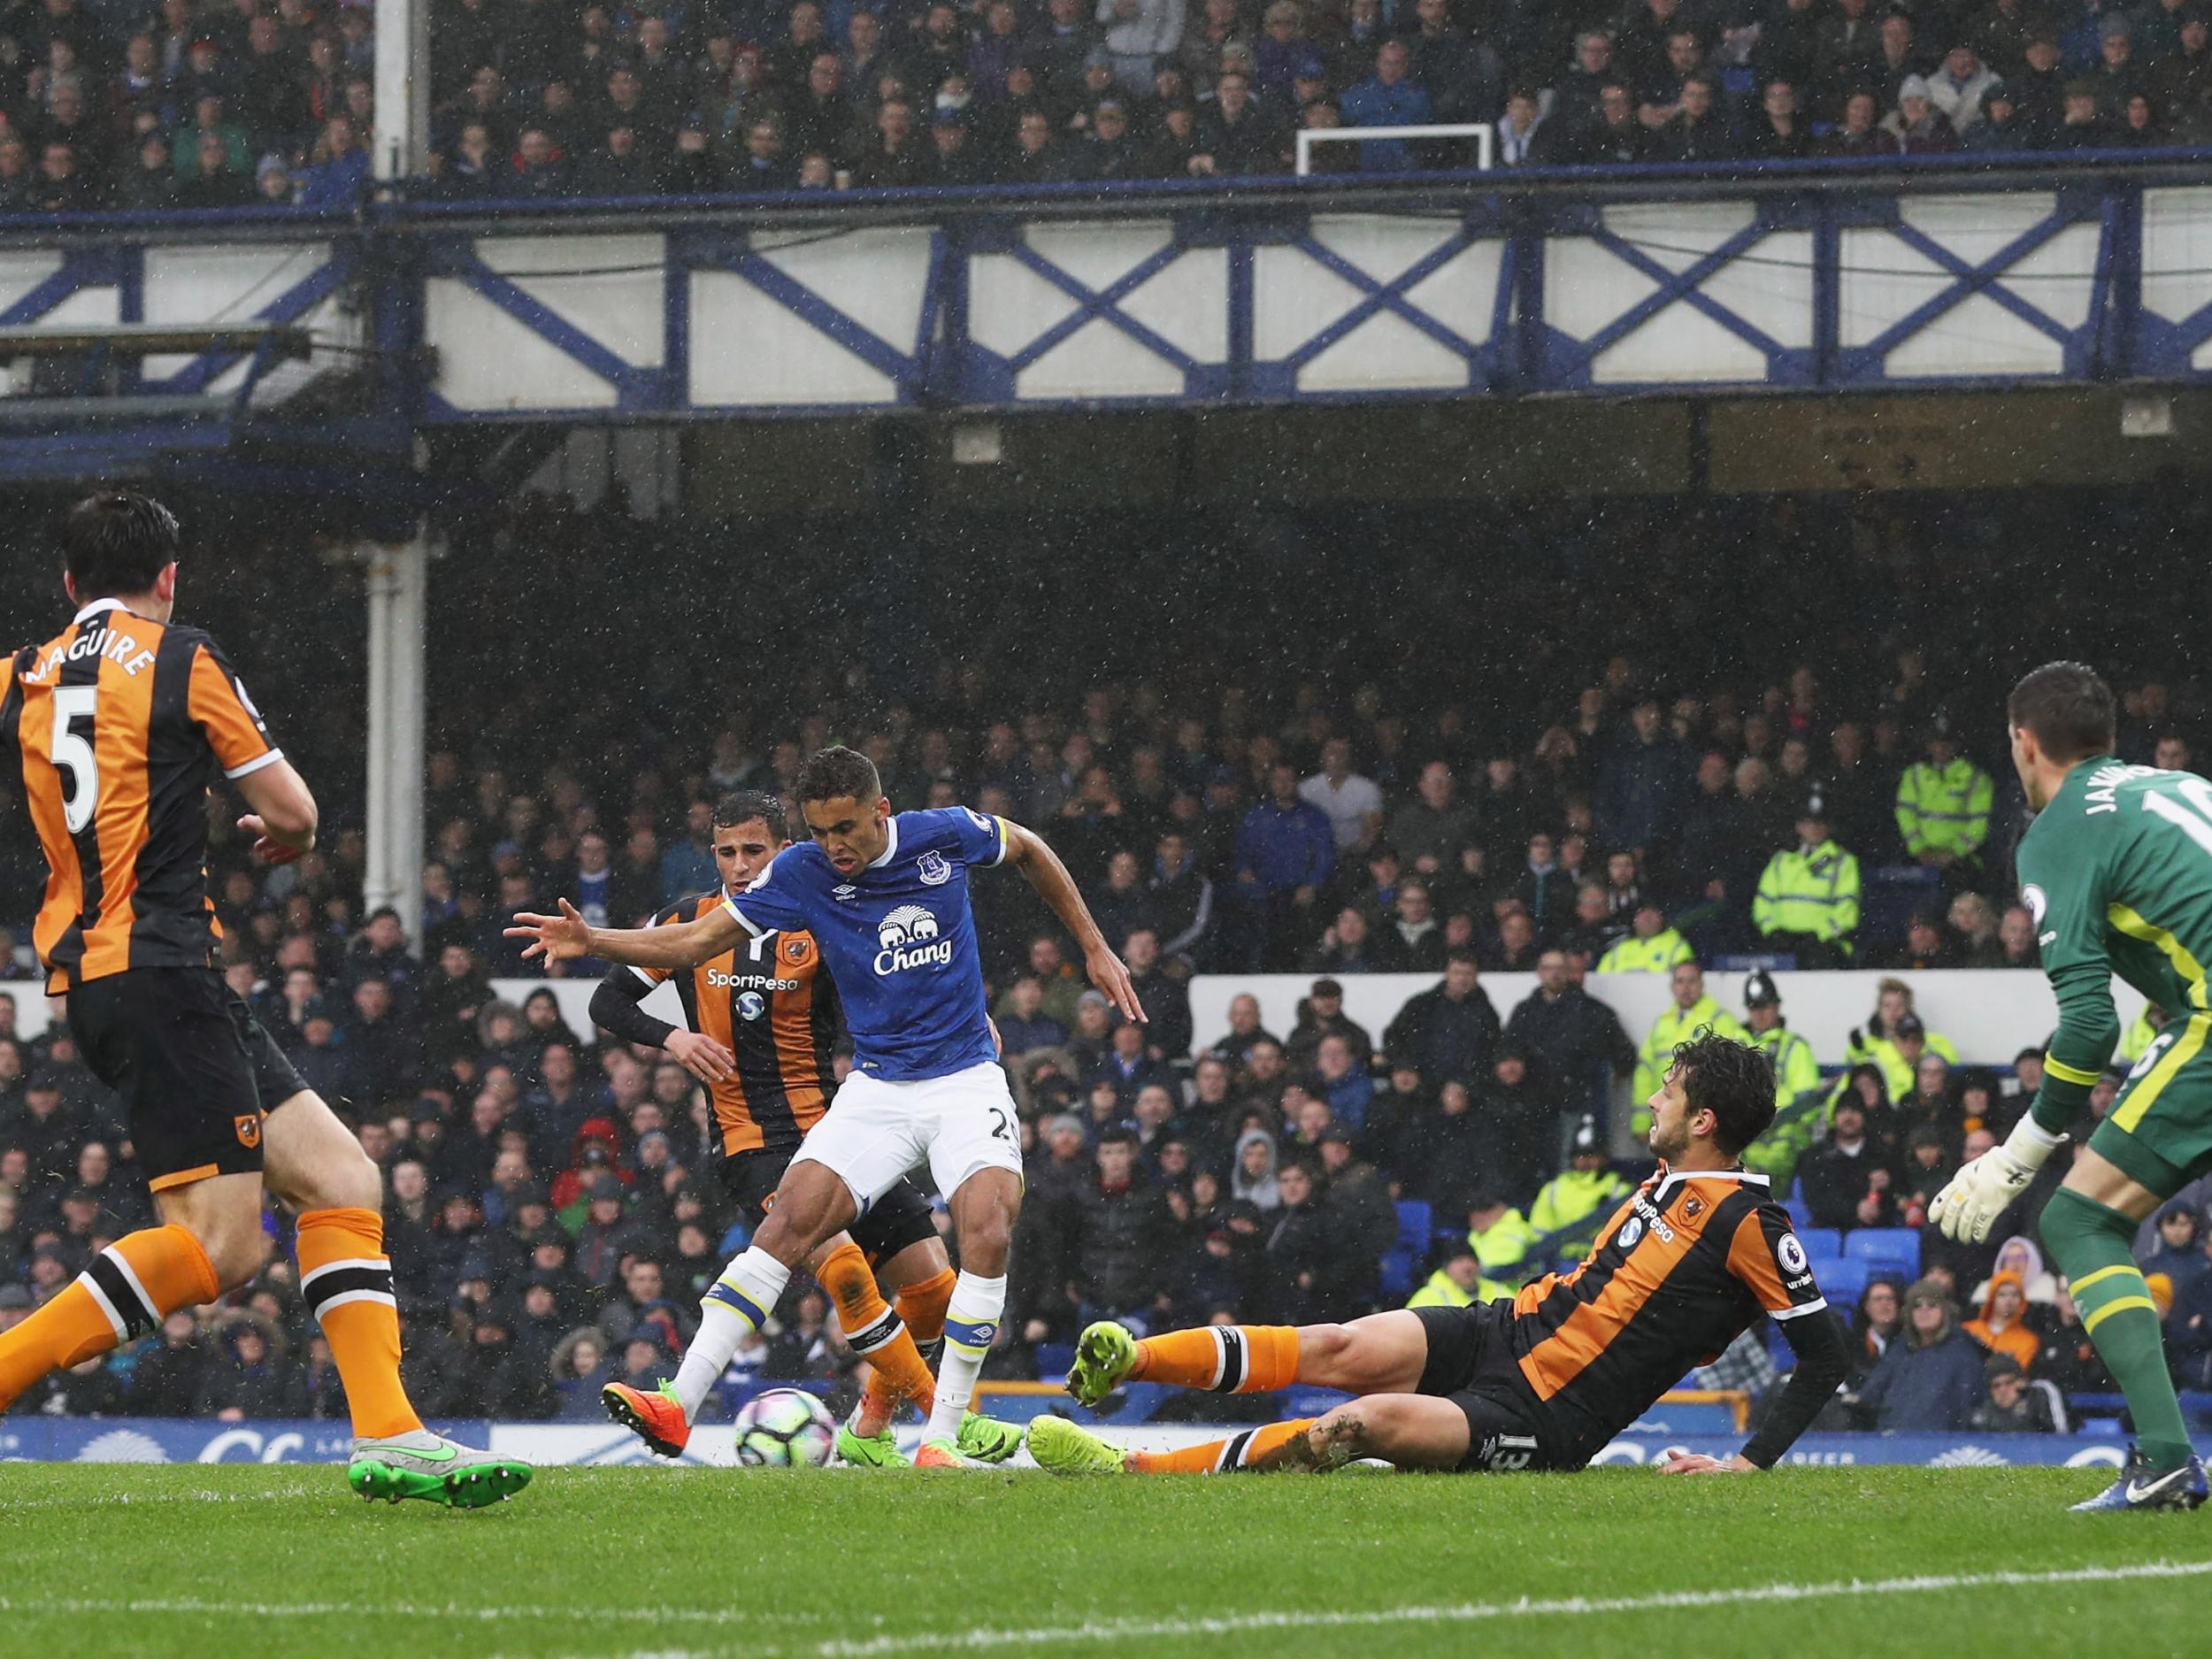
{"points": [[878, 1130]]}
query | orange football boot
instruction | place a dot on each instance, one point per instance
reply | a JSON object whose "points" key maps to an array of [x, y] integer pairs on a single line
{"points": [[656, 1418]]}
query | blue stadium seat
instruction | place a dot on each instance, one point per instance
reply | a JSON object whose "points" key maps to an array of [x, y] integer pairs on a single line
{"points": [[1899, 1246], [1053, 1360], [1397, 1276], [1800, 1213], [1415, 1224], [1822, 1244], [1843, 1278]]}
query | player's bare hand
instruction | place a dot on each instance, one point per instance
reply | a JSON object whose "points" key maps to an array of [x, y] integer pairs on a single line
{"points": [[561, 938], [998, 1042], [701, 1056], [1676, 1460], [267, 847], [1110, 976]]}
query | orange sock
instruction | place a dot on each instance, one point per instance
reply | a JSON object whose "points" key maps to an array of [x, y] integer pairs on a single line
{"points": [[1230, 1359], [1220, 1457], [877, 1333], [921, 1308], [347, 1279], [131, 1286]]}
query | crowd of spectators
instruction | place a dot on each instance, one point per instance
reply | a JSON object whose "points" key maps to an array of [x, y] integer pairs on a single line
{"points": [[198, 102], [553, 1214]]}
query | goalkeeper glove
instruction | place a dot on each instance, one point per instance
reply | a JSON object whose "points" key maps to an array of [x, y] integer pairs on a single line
{"points": [[1971, 1201]]}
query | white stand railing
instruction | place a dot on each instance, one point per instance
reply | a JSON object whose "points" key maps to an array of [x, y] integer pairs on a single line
{"points": [[1308, 137]]}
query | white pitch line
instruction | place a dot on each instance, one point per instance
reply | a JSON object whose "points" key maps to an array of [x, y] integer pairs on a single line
{"points": [[1224, 1624], [1237, 1624], [135, 1500], [190, 1606]]}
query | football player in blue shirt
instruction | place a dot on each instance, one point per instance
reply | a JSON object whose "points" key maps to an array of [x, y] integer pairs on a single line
{"points": [[886, 897]]}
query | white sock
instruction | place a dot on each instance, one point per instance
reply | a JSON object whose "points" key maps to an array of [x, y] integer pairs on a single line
{"points": [[736, 1305], [971, 1324]]}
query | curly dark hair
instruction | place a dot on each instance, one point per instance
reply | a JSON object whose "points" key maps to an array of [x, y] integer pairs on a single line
{"points": [[742, 806], [833, 772], [1732, 1081]]}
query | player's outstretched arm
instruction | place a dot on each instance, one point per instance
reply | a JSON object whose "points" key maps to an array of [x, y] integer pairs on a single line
{"points": [[1822, 1362], [567, 936], [1027, 851]]}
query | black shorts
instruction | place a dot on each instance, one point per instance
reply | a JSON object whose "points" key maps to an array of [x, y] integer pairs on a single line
{"points": [[1471, 1363], [899, 1218], [196, 1070]]}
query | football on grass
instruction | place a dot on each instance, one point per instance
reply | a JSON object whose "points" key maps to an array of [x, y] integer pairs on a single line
{"points": [[785, 1427]]}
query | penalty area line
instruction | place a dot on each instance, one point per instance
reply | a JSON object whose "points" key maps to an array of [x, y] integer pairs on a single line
{"points": [[191, 1606], [1467, 1612]]}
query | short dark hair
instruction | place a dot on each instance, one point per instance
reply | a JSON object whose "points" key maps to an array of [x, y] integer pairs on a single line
{"points": [[830, 773], [117, 542], [742, 806], [2068, 708], [1732, 1081]]}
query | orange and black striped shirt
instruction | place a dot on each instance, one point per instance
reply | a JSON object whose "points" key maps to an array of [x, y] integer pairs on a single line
{"points": [[770, 1002], [1683, 1268], [123, 724]]}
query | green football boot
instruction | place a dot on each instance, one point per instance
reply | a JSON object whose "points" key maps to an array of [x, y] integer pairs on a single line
{"points": [[428, 1466], [986, 1440], [1104, 1353], [880, 1450], [1061, 1448]]}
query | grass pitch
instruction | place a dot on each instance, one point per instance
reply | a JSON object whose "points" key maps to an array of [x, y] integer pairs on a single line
{"points": [[651, 1563]]}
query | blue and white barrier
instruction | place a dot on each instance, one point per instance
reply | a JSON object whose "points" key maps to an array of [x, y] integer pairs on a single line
{"points": [[195, 1441]]}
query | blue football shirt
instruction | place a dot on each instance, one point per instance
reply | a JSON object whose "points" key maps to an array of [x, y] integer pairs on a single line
{"points": [[897, 936]]}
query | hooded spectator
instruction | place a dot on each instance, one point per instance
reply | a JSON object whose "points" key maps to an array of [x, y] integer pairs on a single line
{"points": [[2002, 1327], [1252, 1180], [1916, 126], [2019, 1254], [592, 1152]]}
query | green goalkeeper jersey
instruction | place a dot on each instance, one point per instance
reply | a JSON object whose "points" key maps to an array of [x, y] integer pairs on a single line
{"points": [[2118, 872]]}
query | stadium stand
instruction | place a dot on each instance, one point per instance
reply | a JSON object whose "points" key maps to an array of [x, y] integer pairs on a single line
{"points": [[202, 105], [548, 1221]]}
